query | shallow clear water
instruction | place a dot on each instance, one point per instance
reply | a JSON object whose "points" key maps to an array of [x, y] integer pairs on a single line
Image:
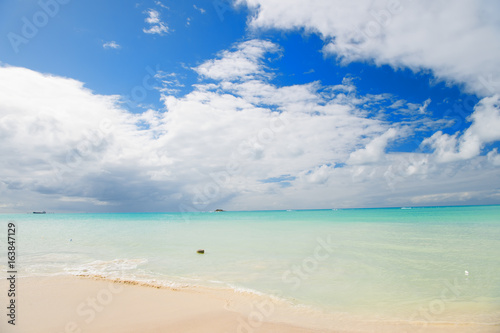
{"points": [[434, 264]]}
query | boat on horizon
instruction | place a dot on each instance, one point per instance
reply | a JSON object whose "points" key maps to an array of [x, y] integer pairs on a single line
{"points": [[44, 212]]}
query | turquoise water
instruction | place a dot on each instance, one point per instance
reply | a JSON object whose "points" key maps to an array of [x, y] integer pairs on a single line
{"points": [[398, 264]]}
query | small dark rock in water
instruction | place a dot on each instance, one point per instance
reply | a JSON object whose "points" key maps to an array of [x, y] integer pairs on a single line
{"points": [[219, 210], [200, 251]]}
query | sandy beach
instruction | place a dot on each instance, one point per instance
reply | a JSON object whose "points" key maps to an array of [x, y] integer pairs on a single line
{"points": [[82, 304], [92, 304]]}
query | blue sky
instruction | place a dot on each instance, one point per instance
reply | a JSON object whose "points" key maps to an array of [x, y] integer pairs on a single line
{"points": [[71, 44], [248, 104]]}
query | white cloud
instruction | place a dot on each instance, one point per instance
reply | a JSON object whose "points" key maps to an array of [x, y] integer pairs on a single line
{"points": [[374, 150], [111, 45], [156, 26], [423, 109], [458, 41], [159, 3], [201, 10], [483, 130], [318, 175], [494, 157], [246, 61], [170, 83]]}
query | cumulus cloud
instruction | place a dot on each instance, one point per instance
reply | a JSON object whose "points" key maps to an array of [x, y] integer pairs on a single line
{"points": [[61, 140], [374, 150], [483, 130], [242, 63], [494, 157], [156, 26], [457, 41]]}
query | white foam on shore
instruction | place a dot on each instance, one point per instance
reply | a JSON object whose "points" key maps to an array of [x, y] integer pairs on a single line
{"points": [[107, 268]]}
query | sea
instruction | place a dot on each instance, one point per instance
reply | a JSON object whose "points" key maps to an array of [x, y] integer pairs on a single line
{"points": [[432, 264]]}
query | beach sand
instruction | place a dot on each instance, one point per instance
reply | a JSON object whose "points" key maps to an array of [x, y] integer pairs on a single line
{"points": [[67, 304]]}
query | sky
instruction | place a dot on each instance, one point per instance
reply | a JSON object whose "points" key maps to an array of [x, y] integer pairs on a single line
{"points": [[193, 105]]}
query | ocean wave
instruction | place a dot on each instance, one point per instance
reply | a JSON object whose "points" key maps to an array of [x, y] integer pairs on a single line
{"points": [[110, 268]]}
